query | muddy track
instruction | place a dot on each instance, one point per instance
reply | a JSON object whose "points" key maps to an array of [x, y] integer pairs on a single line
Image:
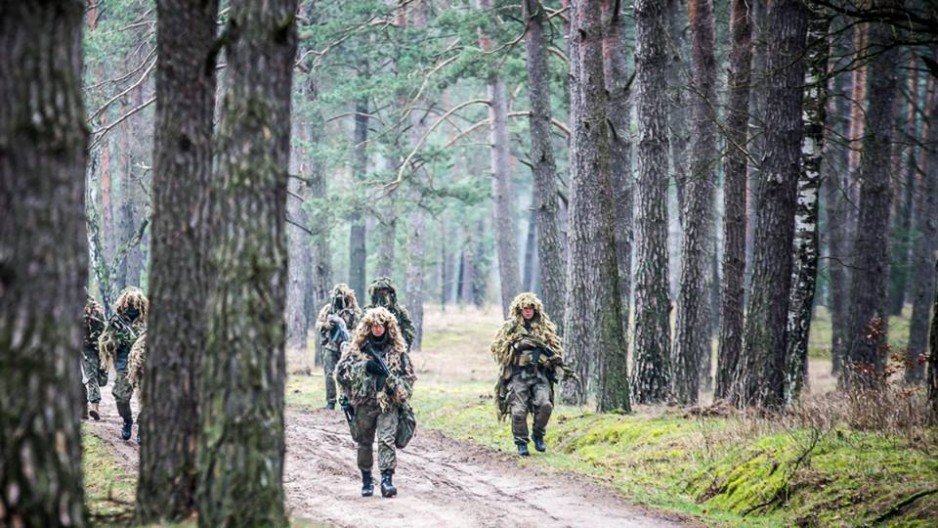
{"points": [[441, 482]]}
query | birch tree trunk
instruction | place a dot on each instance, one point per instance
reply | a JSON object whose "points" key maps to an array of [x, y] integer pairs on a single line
{"points": [[43, 255], [692, 335], [651, 375], [866, 356], [804, 275], [180, 275], [734, 197], [241, 445], [761, 368]]}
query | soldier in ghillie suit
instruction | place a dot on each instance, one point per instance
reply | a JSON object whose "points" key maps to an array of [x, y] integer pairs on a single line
{"points": [[336, 319], [93, 376], [530, 357], [120, 334], [377, 379], [384, 294], [136, 365]]}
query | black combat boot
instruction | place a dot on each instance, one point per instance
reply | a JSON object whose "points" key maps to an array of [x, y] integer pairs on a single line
{"points": [[368, 484], [522, 448], [123, 409], [539, 443], [387, 487]]}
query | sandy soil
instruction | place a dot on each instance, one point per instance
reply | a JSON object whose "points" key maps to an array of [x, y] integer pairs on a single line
{"points": [[440, 481]]}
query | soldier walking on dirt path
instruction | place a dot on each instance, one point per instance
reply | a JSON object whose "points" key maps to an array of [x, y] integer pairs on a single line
{"points": [[377, 379], [93, 376], [333, 332], [120, 334], [530, 356], [384, 294]]}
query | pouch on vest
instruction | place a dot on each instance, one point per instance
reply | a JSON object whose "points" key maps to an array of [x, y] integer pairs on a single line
{"points": [[406, 426]]}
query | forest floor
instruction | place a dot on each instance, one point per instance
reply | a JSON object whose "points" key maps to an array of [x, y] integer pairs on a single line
{"points": [[659, 466]]}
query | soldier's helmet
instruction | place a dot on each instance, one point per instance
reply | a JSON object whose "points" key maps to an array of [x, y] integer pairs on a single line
{"points": [[524, 300], [132, 304], [343, 297], [383, 292], [93, 311]]}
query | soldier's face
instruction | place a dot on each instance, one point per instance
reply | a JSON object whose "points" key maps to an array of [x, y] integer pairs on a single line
{"points": [[527, 312], [132, 313], [377, 330], [383, 294]]}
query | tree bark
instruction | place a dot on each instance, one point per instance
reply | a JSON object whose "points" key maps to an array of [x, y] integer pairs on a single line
{"points": [[298, 248], [760, 372], [804, 275], [594, 320], [651, 376], [756, 125], [618, 109], [926, 243], [503, 196], [677, 79], [357, 251], [866, 356], [933, 357], [43, 263], [179, 282], [734, 197], [241, 445], [550, 254], [692, 335]]}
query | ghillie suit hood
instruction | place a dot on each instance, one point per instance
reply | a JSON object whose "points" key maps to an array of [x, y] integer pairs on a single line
{"points": [[94, 324], [357, 383], [137, 362], [539, 329], [342, 302], [120, 332], [399, 312]]}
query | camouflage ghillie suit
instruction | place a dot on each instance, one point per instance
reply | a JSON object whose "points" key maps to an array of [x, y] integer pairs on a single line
{"points": [[344, 305], [384, 294], [136, 365], [530, 357], [376, 398], [93, 376], [120, 334]]}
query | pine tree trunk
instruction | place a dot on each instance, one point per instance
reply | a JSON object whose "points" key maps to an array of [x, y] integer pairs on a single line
{"points": [[241, 445], [806, 250], [903, 154], [594, 319], [179, 279], [926, 243], [550, 254], [651, 376], [618, 109], [932, 380], [298, 248], [44, 263], [762, 363], [387, 238], [692, 334], [734, 197], [678, 81], [320, 251], [835, 183], [756, 126], [866, 356], [357, 251]]}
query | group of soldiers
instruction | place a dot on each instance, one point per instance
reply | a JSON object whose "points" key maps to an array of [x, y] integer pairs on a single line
{"points": [[117, 342], [365, 356], [373, 370]]}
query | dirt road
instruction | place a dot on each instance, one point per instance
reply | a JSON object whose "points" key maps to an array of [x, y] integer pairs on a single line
{"points": [[441, 483]]}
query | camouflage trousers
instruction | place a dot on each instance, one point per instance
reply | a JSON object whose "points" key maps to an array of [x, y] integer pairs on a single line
{"points": [[370, 422], [529, 394], [123, 390], [329, 360], [93, 377]]}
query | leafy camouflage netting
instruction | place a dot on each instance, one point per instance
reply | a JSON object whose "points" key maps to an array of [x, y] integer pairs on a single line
{"points": [[94, 323], [137, 363], [399, 312], [120, 333], [347, 308]]}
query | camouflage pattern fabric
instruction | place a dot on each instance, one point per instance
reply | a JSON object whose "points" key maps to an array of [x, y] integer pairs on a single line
{"points": [[123, 390], [93, 376], [137, 365], [531, 394], [344, 304], [390, 302], [330, 358], [371, 423], [514, 349], [123, 328]]}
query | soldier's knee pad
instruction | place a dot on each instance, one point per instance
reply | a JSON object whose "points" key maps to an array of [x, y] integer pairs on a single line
{"points": [[546, 407]]}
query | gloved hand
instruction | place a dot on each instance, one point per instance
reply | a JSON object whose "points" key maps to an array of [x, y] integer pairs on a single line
{"points": [[373, 367]]}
